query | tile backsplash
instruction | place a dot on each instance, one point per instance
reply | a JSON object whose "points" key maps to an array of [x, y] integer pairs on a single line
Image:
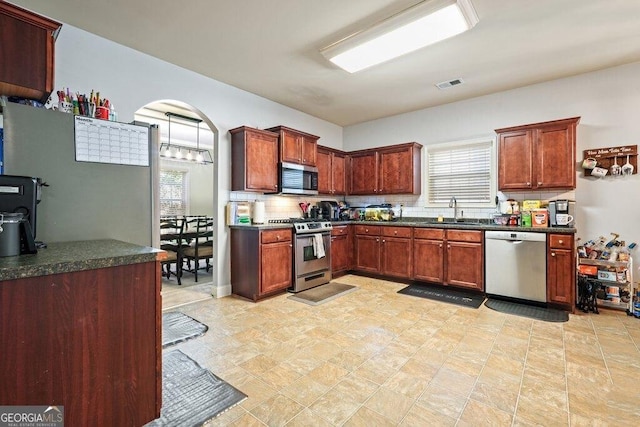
{"points": [[280, 207]]}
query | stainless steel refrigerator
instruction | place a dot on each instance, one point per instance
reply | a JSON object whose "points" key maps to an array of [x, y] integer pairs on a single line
{"points": [[84, 200]]}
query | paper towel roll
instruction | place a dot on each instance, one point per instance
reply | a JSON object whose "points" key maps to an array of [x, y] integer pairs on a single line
{"points": [[258, 212]]}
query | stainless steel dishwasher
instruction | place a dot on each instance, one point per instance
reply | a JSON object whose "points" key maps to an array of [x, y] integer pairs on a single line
{"points": [[516, 265]]}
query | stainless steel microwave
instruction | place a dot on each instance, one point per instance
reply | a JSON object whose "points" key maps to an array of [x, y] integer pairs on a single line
{"points": [[298, 179]]}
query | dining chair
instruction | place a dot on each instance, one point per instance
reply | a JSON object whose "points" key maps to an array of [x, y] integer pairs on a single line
{"points": [[200, 232], [172, 241]]}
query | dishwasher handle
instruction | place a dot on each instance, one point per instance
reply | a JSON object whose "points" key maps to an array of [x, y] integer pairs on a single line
{"points": [[512, 236]]}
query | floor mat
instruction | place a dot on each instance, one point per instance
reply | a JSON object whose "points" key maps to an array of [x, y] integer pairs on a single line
{"points": [[443, 294], [178, 327], [191, 395], [323, 293], [533, 312]]}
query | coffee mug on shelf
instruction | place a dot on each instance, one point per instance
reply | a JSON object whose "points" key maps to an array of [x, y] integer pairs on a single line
{"points": [[589, 163], [563, 219], [599, 172]]}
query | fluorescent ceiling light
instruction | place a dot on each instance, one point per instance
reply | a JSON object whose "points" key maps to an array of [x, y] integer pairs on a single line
{"points": [[421, 25]]}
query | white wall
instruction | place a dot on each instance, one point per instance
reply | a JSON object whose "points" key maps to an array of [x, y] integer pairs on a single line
{"points": [[608, 102], [132, 80]]}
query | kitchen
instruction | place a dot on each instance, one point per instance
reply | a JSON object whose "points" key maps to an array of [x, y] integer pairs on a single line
{"points": [[603, 107]]}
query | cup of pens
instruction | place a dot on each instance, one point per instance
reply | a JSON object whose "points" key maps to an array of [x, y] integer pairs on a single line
{"points": [[102, 113], [65, 107]]}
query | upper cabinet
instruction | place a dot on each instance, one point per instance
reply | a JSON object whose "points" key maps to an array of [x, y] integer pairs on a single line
{"points": [[254, 160], [296, 146], [387, 170], [26, 52], [331, 171], [538, 156]]}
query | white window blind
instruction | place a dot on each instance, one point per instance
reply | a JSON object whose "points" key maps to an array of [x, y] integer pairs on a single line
{"points": [[173, 193], [462, 170]]}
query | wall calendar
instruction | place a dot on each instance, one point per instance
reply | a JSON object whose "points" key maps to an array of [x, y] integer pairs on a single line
{"points": [[103, 141]]}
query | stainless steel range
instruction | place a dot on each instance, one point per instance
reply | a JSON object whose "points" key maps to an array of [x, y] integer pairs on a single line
{"points": [[311, 253]]}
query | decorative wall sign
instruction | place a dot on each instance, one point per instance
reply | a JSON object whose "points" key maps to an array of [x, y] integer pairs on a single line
{"points": [[102, 141], [621, 160]]}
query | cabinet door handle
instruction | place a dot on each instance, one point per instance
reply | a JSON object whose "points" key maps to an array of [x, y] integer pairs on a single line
{"points": [[553, 254], [395, 232], [377, 240], [560, 242], [290, 246], [528, 184], [539, 183], [440, 245], [383, 240]]}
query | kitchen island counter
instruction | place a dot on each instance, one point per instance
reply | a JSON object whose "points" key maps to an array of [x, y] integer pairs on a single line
{"points": [[81, 328], [67, 257]]}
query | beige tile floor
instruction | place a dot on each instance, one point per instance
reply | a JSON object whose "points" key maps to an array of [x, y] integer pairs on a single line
{"points": [[377, 358]]}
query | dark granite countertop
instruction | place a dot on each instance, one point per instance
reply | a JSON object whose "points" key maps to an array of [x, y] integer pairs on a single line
{"points": [[468, 224], [67, 257]]}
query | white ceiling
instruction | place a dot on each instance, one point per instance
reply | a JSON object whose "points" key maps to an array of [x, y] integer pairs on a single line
{"points": [[271, 47]]}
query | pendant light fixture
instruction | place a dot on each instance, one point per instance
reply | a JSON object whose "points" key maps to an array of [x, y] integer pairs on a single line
{"points": [[181, 152]]}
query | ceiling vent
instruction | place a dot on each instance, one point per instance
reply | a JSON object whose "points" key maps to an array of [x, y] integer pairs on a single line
{"points": [[450, 83]]}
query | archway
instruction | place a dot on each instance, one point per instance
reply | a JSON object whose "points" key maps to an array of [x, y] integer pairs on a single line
{"points": [[183, 185]]}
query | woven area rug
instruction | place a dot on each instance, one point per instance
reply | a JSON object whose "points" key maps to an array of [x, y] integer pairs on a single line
{"points": [[531, 311], [444, 294], [191, 395], [323, 293], [178, 327]]}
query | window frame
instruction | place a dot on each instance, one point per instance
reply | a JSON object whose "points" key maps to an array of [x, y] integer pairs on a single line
{"points": [[185, 187], [450, 145]]}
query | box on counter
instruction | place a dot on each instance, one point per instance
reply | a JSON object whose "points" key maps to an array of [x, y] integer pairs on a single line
{"points": [[529, 205], [539, 218]]}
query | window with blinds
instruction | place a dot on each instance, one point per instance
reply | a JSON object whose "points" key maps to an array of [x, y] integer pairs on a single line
{"points": [[173, 193], [461, 169]]}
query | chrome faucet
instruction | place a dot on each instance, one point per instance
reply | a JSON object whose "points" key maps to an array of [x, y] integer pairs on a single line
{"points": [[453, 203]]}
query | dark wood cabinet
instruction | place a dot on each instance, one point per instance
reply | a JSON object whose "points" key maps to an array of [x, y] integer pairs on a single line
{"points": [[399, 170], [538, 156], [450, 257], [296, 146], [387, 170], [384, 250], [465, 259], [561, 279], [26, 53], [341, 250], [86, 340], [331, 171], [428, 254], [363, 173], [367, 248], [254, 160], [261, 261], [396, 254]]}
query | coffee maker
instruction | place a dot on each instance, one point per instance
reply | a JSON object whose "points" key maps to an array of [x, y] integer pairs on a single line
{"points": [[19, 196], [562, 209]]}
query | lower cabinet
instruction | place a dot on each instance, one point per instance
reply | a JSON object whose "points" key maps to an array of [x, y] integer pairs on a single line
{"points": [[341, 250], [367, 248], [86, 340], [384, 249], [428, 254], [396, 254], [449, 257], [261, 261], [561, 271], [465, 259]]}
